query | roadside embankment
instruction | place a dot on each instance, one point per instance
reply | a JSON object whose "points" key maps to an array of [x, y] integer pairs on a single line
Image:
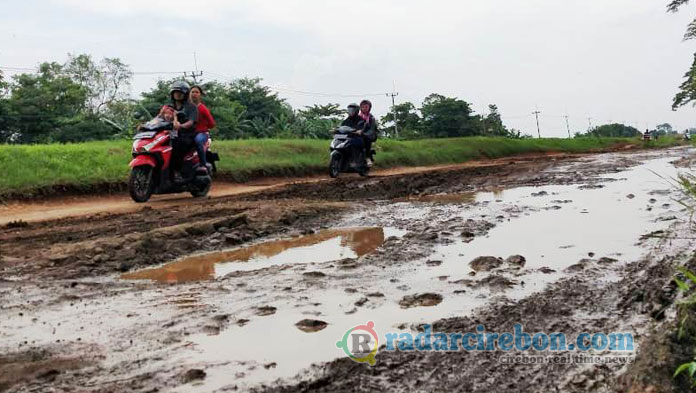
{"points": [[31, 171]]}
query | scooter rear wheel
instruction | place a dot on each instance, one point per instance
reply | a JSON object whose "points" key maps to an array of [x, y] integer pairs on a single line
{"points": [[335, 166], [140, 184]]}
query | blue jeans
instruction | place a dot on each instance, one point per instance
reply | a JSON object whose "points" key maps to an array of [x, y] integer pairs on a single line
{"points": [[200, 139]]}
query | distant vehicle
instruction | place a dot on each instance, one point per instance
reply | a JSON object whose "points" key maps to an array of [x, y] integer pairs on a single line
{"points": [[347, 154], [150, 173], [649, 136]]}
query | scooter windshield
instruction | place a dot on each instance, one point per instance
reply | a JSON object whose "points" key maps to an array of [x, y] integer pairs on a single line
{"points": [[156, 124]]}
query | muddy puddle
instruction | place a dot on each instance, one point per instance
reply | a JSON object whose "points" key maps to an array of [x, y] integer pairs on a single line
{"points": [[242, 314], [328, 245], [557, 231]]}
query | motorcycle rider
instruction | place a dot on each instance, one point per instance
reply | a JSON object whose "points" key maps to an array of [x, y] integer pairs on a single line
{"points": [[184, 123], [355, 122], [353, 119]]}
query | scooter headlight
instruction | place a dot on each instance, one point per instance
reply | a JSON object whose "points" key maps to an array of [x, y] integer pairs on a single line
{"points": [[148, 147]]}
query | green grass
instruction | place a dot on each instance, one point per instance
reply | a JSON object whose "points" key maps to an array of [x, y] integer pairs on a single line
{"points": [[29, 169]]}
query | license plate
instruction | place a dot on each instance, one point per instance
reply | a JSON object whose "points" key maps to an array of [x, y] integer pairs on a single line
{"points": [[340, 136]]}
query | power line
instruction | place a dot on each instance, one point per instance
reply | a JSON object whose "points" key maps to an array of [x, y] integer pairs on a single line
{"points": [[36, 69]]}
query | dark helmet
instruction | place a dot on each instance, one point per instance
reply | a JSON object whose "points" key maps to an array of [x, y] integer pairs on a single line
{"points": [[363, 102], [181, 86], [353, 109]]}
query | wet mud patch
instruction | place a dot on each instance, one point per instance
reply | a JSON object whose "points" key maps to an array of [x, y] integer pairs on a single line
{"points": [[311, 325], [319, 247], [37, 367], [104, 244], [421, 300], [216, 325]]}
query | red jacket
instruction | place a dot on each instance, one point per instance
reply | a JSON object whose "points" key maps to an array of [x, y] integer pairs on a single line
{"points": [[205, 119]]}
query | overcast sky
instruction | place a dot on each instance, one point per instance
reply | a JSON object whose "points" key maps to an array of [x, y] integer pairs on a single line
{"points": [[612, 60]]}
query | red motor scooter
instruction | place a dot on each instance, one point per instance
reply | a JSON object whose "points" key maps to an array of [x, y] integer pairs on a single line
{"points": [[151, 172]]}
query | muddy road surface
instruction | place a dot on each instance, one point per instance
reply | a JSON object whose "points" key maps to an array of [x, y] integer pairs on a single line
{"points": [[254, 291]]}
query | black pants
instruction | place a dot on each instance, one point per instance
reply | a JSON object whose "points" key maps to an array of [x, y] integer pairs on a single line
{"points": [[368, 147], [181, 145]]}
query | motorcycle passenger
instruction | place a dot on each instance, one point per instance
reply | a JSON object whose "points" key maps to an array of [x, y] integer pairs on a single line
{"points": [[204, 124], [369, 128], [184, 123]]}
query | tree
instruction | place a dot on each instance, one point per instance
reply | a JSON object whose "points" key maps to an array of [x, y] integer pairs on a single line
{"points": [[447, 117], [687, 90], [4, 110], [493, 123], [614, 130], [105, 82], [328, 111], [4, 85], [41, 105], [407, 119], [261, 104], [664, 129], [674, 6]]}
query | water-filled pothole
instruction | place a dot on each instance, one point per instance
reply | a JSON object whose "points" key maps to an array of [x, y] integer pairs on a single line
{"points": [[323, 246]]}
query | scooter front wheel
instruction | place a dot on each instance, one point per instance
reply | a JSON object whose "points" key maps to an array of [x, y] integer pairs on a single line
{"points": [[140, 184], [201, 191], [335, 166]]}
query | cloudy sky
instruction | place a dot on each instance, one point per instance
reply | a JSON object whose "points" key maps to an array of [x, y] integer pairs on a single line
{"points": [[611, 60]]}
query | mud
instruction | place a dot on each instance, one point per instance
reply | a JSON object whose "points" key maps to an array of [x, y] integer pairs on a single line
{"points": [[246, 292]]}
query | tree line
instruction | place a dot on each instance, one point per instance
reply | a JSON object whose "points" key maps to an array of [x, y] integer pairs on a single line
{"points": [[84, 99]]}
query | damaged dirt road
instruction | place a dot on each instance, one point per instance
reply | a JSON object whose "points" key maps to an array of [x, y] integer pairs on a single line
{"points": [[251, 292]]}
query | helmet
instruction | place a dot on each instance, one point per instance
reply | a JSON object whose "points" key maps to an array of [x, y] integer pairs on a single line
{"points": [[363, 102], [353, 109], [181, 86]]}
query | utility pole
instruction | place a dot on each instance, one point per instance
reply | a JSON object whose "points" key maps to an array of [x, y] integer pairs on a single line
{"points": [[194, 74], [589, 121], [536, 113], [567, 125], [393, 95]]}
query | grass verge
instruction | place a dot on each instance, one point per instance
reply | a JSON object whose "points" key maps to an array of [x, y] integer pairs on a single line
{"points": [[36, 170]]}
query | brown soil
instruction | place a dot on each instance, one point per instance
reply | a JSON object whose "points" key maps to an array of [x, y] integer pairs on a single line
{"points": [[73, 261]]}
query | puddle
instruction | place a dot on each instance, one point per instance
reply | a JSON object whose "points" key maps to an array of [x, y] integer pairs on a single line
{"points": [[281, 323], [553, 227], [323, 246]]}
